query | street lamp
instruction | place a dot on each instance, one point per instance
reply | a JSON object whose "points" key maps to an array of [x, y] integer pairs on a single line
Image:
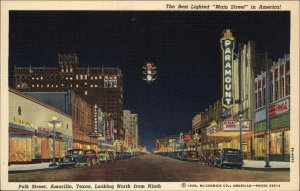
{"points": [[241, 136], [196, 137], [267, 136], [53, 124]]}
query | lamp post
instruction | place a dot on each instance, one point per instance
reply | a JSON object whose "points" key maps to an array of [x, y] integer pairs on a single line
{"points": [[241, 136], [53, 124], [267, 154], [196, 137]]}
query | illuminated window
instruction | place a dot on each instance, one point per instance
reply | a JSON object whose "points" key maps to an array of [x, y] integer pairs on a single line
{"points": [[85, 77], [85, 92], [96, 86], [32, 85], [115, 77], [115, 85], [85, 83], [62, 84], [47, 85], [18, 85], [76, 77], [100, 77], [67, 78], [92, 86], [106, 77], [76, 85], [42, 85], [42, 78], [81, 77], [37, 85], [92, 77], [96, 78], [110, 77], [52, 86], [71, 85], [62, 69], [71, 69], [71, 78], [32, 78], [56, 86]]}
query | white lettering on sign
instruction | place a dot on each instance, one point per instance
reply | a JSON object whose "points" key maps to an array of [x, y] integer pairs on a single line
{"points": [[227, 44], [279, 107], [235, 126]]}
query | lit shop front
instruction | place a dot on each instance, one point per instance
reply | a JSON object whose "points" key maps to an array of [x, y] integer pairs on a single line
{"points": [[30, 137], [226, 134], [279, 113]]}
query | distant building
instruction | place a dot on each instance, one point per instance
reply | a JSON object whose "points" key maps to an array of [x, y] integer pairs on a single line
{"points": [[131, 123], [30, 137], [100, 86]]}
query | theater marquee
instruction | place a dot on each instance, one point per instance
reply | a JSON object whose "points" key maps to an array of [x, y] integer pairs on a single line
{"points": [[227, 45]]}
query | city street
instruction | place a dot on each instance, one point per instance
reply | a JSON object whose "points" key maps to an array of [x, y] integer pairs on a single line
{"points": [[150, 168]]}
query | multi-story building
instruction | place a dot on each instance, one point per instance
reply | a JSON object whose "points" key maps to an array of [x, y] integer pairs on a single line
{"points": [[81, 112], [196, 124], [279, 111], [219, 126], [101, 86], [131, 123]]}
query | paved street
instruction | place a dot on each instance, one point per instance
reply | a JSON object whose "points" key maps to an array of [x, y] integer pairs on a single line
{"points": [[150, 168]]}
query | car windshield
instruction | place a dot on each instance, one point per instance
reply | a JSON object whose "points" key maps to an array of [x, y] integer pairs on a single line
{"points": [[232, 151], [72, 152]]}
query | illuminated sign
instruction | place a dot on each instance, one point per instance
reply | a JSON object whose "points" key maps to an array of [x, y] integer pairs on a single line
{"points": [[22, 121], [213, 129], [234, 125], [227, 45], [279, 107], [108, 128], [187, 137]]}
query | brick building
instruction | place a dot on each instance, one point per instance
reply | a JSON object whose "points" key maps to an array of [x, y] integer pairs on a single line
{"points": [[101, 86]]}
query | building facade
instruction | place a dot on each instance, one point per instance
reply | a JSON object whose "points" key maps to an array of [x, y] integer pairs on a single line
{"points": [[102, 87], [131, 123], [30, 137], [220, 126], [279, 111]]}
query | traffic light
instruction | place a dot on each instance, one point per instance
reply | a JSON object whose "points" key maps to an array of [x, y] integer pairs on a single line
{"points": [[149, 72]]}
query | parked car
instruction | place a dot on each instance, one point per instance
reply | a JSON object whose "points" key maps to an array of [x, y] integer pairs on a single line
{"points": [[74, 158], [229, 157], [92, 155], [213, 154], [104, 156], [190, 155]]}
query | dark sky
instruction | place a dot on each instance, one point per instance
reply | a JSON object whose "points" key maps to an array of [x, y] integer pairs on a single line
{"points": [[183, 45]]}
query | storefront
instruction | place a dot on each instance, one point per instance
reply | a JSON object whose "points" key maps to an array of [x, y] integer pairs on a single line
{"points": [[226, 134], [279, 131], [30, 138]]}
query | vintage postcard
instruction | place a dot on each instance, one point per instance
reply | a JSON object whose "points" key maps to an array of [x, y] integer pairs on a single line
{"points": [[149, 95]]}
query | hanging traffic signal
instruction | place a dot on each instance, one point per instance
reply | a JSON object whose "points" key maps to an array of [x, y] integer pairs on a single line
{"points": [[149, 72]]}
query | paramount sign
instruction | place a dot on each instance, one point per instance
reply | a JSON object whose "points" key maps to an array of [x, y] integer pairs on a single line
{"points": [[227, 45]]}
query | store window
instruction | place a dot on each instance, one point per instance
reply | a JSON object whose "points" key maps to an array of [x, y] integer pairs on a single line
{"points": [[287, 142], [20, 149], [259, 144]]}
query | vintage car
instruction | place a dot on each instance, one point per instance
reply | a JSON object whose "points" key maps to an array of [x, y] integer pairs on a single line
{"points": [[190, 156], [92, 155], [104, 156], [74, 158], [213, 154], [229, 157]]}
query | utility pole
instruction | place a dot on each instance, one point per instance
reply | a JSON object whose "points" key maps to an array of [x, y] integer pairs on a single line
{"points": [[267, 134]]}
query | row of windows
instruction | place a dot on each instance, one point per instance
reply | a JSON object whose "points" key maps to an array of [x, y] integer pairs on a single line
{"points": [[277, 90], [78, 77]]}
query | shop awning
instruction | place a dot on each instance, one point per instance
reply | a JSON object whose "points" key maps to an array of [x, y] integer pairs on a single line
{"points": [[227, 134]]}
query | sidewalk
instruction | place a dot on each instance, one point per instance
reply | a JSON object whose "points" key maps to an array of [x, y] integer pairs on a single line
{"points": [[260, 165], [13, 168], [248, 165]]}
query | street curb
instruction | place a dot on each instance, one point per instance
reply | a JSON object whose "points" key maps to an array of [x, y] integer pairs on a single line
{"points": [[264, 169], [32, 170]]}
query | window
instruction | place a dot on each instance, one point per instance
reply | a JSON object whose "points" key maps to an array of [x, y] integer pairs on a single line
{"points": [[32, 85], [42, 78], [85, 92], [62, 85], [76, 85], [287, 85], [67, 78], [92, 77], [96, 78], [77, 77], [47, 85], [81, 77], [32, 78], [96, 86], [71, 78], [37, 85], [85, 77]]}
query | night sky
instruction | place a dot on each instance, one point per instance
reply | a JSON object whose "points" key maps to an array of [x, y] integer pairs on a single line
{"points": [[184, 46]]}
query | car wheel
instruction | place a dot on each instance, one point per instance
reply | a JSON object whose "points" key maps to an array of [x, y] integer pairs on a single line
{"points": [[94, 162], [77, 164], [88, 162]]}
